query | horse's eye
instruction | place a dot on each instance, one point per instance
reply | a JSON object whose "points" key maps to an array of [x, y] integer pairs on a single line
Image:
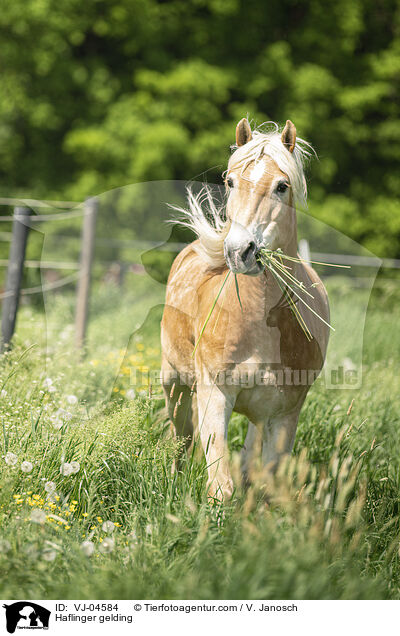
{"points": [[282, 187], [229, 182]]}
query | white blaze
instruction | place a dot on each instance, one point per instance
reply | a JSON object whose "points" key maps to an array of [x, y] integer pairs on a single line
{"points": [[257, 172]]}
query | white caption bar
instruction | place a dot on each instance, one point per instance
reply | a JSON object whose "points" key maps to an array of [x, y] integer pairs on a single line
{"points": [[199, 617]]}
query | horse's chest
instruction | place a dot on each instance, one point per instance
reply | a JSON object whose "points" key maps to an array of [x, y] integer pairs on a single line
{"points": [[269, 396], [275, 338]]}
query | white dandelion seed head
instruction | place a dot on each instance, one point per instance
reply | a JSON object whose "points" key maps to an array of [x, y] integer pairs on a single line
{"points": [[50, 487], [60, 417], [149, 529], [38, 516], [5, 546], [3, 393], [75, 466], [26, 467], [49, 555], [107, 545], [132, 536], [57, 423], [31, 551], [87, 548], [108, 526], [47, 383], [64, 414], [66, 469], [11, 459], [72, 399], [131, 394]]}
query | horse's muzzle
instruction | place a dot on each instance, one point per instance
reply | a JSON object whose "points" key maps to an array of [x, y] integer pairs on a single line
{"points": [[242, 259]]}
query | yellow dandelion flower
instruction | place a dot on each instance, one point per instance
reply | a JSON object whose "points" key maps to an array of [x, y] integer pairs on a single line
{"points": [[99, 519], [67, 527], [85, 514]]}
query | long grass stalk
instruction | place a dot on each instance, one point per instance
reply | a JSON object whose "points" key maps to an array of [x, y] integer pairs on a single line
{"points": [[284, 269], [221, 307], [301, 260], [295, 310], [303, 301], [210, 313], [273, 261]]}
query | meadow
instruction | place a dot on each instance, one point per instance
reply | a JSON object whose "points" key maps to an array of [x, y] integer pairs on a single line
{"points": [[89, 507]]}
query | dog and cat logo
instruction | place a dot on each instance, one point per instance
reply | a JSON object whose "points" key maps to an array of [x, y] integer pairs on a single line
{"points": [[26, 615]]}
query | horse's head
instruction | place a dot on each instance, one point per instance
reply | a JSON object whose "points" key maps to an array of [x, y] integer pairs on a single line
{"points": [[264, 181]]}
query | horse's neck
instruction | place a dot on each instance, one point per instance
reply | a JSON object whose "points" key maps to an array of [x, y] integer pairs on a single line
{"points": [[291, 249]]}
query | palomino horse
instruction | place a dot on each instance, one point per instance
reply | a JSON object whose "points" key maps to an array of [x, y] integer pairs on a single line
{"points": [[253, 356]]}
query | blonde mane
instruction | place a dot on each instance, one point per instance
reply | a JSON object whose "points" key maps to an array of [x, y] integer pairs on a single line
{"points": [[207, 219]]}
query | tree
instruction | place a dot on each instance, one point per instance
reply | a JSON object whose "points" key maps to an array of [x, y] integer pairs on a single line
{"points": [[97, 95]]}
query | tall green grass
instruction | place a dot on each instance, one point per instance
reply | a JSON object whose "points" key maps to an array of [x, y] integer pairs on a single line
{"points": [[327, 527]]}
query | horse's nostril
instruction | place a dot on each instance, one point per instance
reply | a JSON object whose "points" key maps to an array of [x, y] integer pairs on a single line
{"points": [[249, 251]]}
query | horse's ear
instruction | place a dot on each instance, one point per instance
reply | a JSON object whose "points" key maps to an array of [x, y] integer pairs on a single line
{"points": [[289, 136], [243, 132]]}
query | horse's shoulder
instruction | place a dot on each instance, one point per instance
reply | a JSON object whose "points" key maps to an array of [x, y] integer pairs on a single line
{"points": [[187, 257]]}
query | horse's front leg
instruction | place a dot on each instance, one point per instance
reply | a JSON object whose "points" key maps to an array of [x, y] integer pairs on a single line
{"points": [[278, 438], [251, 454], [214, 410]]}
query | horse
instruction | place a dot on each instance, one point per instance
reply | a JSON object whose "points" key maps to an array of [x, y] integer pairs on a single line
{"points": [[253, 356]]}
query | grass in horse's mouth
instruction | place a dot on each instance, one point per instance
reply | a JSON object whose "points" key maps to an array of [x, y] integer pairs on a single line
{"points": [[274, 261], [291, 287]]}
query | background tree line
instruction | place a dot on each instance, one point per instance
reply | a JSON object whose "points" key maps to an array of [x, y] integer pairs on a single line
{"points": [[99, 94]]}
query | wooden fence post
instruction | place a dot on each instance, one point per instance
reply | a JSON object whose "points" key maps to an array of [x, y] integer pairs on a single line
{"points": [[20, 231], [87, 249]]}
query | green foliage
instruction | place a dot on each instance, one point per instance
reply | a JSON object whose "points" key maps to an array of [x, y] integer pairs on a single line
{"points": [[101, 94]]}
